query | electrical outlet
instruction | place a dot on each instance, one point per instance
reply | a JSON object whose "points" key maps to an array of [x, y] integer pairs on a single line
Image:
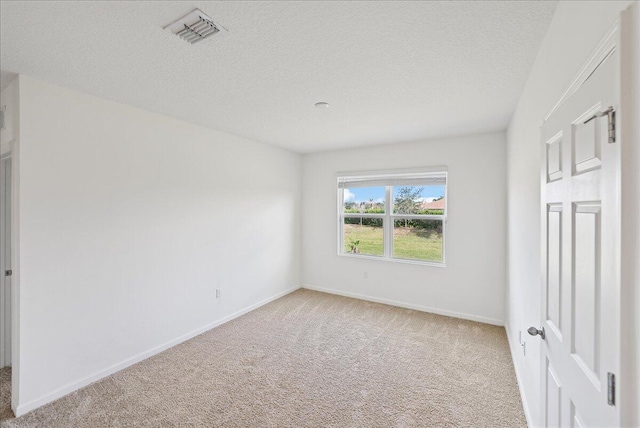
{"points": [[218, 293]]}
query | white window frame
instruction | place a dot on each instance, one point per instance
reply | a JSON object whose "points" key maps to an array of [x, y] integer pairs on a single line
{"points": [[388, 218]]}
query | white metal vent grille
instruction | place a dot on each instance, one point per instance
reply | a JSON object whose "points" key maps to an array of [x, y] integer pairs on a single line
{"points": [[195, 27]]}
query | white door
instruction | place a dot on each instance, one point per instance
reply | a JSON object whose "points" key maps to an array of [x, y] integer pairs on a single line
{"points": [[5, 262], [580, 258]]}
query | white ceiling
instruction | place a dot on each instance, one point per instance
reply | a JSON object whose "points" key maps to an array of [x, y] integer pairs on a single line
{"points": [[392, 71]]}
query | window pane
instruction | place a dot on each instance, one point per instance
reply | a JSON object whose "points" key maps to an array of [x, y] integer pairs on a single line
{"points": [[418, 240], [418, 200], [368, 200], [363, 236]]}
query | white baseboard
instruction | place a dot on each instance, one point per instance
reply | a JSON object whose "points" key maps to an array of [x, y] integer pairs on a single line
{"points": [[21, 409], [525, 405], [421, 308]]}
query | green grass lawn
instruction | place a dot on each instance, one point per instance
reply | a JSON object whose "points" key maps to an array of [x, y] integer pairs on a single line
{"points": [[409, 243]]}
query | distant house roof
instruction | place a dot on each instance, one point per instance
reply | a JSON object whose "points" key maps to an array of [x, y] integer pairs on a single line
{"points": [[434, 205]]}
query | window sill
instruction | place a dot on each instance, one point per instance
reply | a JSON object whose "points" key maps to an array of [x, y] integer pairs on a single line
{"points": [[383, 259]]}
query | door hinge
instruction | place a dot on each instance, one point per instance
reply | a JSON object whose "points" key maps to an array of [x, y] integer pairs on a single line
{"points": [[611, 389], [611, 122], [8, 272]]}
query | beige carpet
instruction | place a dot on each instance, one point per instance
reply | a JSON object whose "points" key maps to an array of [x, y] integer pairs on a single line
{"points": [[5, 393], [310, 359]]}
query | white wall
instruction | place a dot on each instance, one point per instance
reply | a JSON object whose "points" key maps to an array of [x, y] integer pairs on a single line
{"points": [[472, 283], [129, 220], [575, 30]]}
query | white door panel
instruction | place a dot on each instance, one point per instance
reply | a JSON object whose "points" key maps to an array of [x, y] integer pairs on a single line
{"points": [[580, 273], [554, 402]]}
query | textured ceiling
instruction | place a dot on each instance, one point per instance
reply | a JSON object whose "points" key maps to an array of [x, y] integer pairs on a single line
{"points": [[392, 71]]}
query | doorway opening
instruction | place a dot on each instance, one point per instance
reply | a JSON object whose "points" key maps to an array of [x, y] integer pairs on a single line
{"points": [[5, 287]]}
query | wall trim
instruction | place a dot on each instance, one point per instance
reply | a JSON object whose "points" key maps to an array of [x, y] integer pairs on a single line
{"points": [[421, 308], [21, 409], [606, 47], [525, 404]]}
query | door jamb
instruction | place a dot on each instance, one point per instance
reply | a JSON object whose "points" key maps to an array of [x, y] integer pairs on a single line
{"points": [[11, 149], [629, 384], [7, 157]]}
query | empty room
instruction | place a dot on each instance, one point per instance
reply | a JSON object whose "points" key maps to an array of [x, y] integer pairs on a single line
{"points": [[319, 214]]}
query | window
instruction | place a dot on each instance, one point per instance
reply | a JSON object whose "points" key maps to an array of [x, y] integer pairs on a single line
{"points": [[397, 215]]}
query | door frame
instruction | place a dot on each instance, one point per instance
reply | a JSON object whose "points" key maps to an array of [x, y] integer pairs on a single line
{"points": [[629, 386], [11, 150], [5, 245]]}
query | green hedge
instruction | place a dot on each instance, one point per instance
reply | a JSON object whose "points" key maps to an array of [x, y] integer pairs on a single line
{"points": [[431, 212], [377, 222]]}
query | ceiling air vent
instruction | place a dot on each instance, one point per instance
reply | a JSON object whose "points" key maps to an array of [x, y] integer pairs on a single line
{"points": [[195, 27]]}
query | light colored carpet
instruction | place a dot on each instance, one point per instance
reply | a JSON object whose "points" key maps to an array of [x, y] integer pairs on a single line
{"points": [[310, 359], [5, 393]]}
